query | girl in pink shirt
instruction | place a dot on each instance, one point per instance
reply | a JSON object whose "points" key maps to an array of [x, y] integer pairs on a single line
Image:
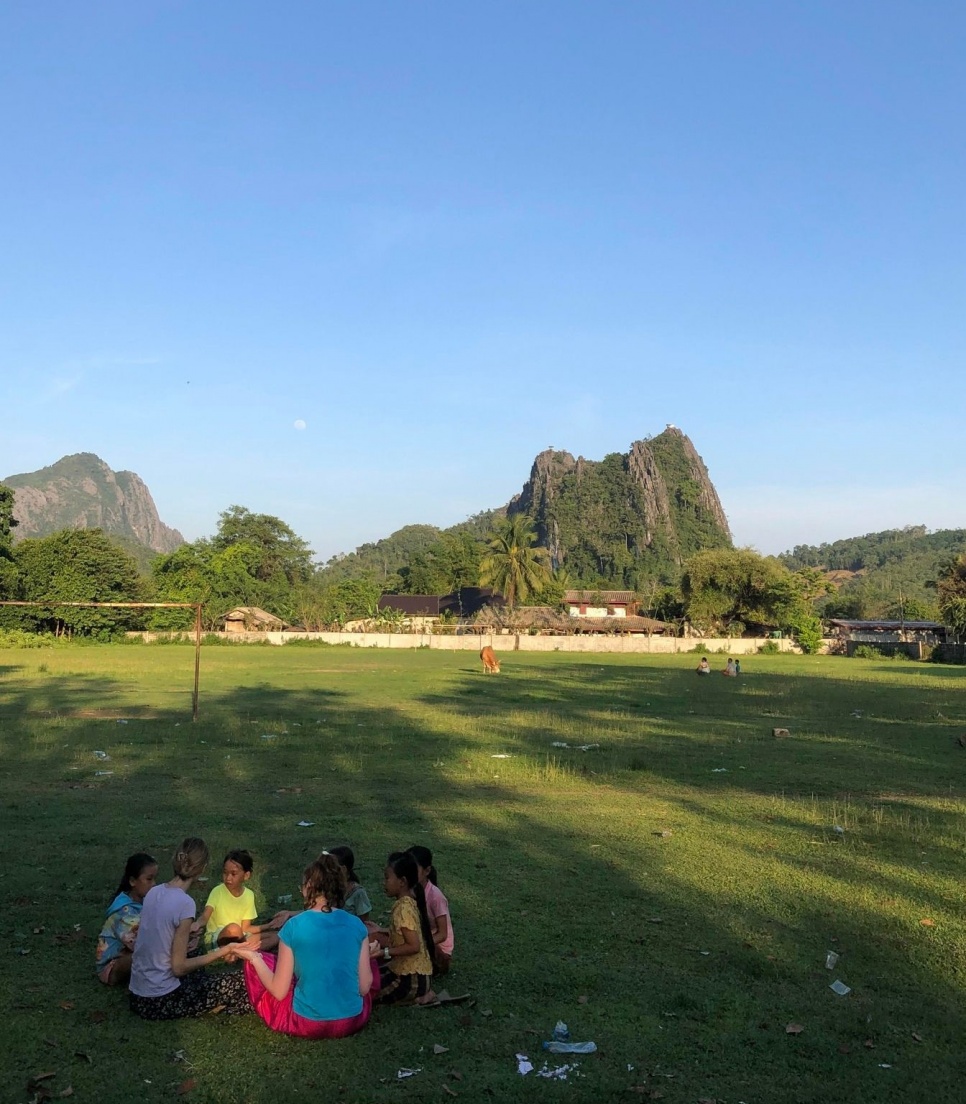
{"points": [[437, 906]]}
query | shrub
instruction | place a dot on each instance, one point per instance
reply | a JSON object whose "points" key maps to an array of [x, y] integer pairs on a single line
{"points": [[700, 649], [17, 638], [770, 647]]}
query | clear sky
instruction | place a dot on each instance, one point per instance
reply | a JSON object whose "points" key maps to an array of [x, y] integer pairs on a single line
{"points": [[355, 264]]}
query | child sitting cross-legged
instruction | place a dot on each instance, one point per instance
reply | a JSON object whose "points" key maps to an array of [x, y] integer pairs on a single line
{"points": [[230, 909], [406, 967]]}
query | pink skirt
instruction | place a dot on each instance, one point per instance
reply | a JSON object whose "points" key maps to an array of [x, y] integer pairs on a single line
{"points": [[281, 1016]]}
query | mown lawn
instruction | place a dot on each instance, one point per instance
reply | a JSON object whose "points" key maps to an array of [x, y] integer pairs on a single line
{"points": [[671, 894]]}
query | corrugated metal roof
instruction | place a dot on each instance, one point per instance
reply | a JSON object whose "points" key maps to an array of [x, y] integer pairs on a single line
{"points": [[885, 626], [610, 597]]}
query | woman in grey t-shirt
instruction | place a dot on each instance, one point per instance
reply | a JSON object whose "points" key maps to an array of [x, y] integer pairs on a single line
{"points": [[165, 983]]}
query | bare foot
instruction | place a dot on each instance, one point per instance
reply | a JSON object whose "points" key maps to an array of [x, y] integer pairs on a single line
{"points": [[427, 998]]}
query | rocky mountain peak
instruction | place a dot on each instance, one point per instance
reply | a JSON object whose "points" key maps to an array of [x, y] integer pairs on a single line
{"points": [[81, 491], [628, 513]]}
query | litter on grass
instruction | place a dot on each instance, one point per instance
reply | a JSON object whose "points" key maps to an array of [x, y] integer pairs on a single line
{"points": [[561, 1032], [305, 824], [102, 755], [570, 1048], [102, 774], [719, 770], [575, 747], [501, 756], [269, 735], [557, 1073], [838, 829], [831, 957], [403, 1073], [840, 988], [524, 1065]]}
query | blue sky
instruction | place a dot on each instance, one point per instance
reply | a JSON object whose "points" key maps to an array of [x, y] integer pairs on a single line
{"points": [[444, 236]]}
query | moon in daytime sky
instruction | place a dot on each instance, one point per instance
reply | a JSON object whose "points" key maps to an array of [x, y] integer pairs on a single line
{"points": [[299, 423]]}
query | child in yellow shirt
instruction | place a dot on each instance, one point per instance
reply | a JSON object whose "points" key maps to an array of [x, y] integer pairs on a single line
{"points": [[230, 909]]}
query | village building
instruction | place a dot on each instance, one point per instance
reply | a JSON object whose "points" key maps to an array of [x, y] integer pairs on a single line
{"points": [[252, 619], [910, 637]]}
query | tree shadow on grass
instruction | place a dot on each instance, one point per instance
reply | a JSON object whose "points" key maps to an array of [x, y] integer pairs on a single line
{"points": [[644, 716], [551, 900]]}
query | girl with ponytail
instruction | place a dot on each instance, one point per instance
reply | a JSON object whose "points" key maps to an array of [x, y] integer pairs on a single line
{"points": [[406, 967]]}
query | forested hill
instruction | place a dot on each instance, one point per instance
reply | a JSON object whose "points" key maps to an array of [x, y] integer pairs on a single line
{"points": [[619, 521], [382, 560], [873, 550], [887, 574], [628, 517]]}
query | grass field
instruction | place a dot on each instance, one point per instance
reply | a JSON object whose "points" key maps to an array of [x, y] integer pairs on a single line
{"points": [[671, 895]]}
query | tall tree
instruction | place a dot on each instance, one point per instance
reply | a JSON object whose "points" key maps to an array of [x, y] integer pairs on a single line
{"points": [[8, 567], [733, 588], [951, 591], [513, 564], [281, 553], [78, 565]]}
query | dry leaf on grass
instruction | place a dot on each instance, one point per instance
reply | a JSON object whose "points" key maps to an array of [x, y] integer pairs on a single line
{"points": [[927, 923], [68, 1006], [869, 1044], [917, 1037], [64, 1093], [582, 1000], [186, 1086], [794, 1029], [447, 1089]]}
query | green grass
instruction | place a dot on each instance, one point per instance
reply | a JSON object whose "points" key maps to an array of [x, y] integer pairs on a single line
{"points": [[684, 955]]}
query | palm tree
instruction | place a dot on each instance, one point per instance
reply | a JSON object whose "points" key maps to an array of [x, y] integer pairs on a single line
{"points": [[514, 565]]}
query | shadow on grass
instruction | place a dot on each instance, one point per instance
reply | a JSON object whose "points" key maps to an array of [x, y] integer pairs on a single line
{"points": [[551, 900]]}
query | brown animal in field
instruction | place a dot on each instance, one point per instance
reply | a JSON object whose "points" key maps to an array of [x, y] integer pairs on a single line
{"points": [[491, 665]]}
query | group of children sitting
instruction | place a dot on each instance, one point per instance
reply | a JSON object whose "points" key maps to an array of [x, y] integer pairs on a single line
{"points": [[732, 668], [417, 943]]}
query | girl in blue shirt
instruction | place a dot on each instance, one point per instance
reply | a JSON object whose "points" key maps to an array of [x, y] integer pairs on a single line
{"points": [[317, 987]]}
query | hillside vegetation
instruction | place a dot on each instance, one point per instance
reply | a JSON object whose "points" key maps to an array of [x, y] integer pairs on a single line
{"points": [[893, 571]]}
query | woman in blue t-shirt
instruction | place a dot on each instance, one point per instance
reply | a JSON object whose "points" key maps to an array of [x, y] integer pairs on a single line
{"points": [[324, 951]]}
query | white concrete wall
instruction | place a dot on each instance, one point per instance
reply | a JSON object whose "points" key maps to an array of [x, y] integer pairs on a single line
{"points": [[511, 642]]}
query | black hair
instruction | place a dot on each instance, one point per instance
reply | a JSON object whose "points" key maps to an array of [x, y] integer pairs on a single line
{"points": [[424, 857], [403, 865], [133, 868], [242, 857], [348, 861]]}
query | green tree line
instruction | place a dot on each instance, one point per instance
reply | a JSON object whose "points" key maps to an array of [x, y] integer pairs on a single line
{"points": [[258, 560]]}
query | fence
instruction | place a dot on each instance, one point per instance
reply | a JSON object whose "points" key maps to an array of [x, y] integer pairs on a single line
{"points": [[598, 643]]}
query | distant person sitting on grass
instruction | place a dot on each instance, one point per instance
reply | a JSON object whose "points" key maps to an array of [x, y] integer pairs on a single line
{"points": [[165, 983], [319, 985], [704, 667], [115, 944], [730, 671], [230, 909]]}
